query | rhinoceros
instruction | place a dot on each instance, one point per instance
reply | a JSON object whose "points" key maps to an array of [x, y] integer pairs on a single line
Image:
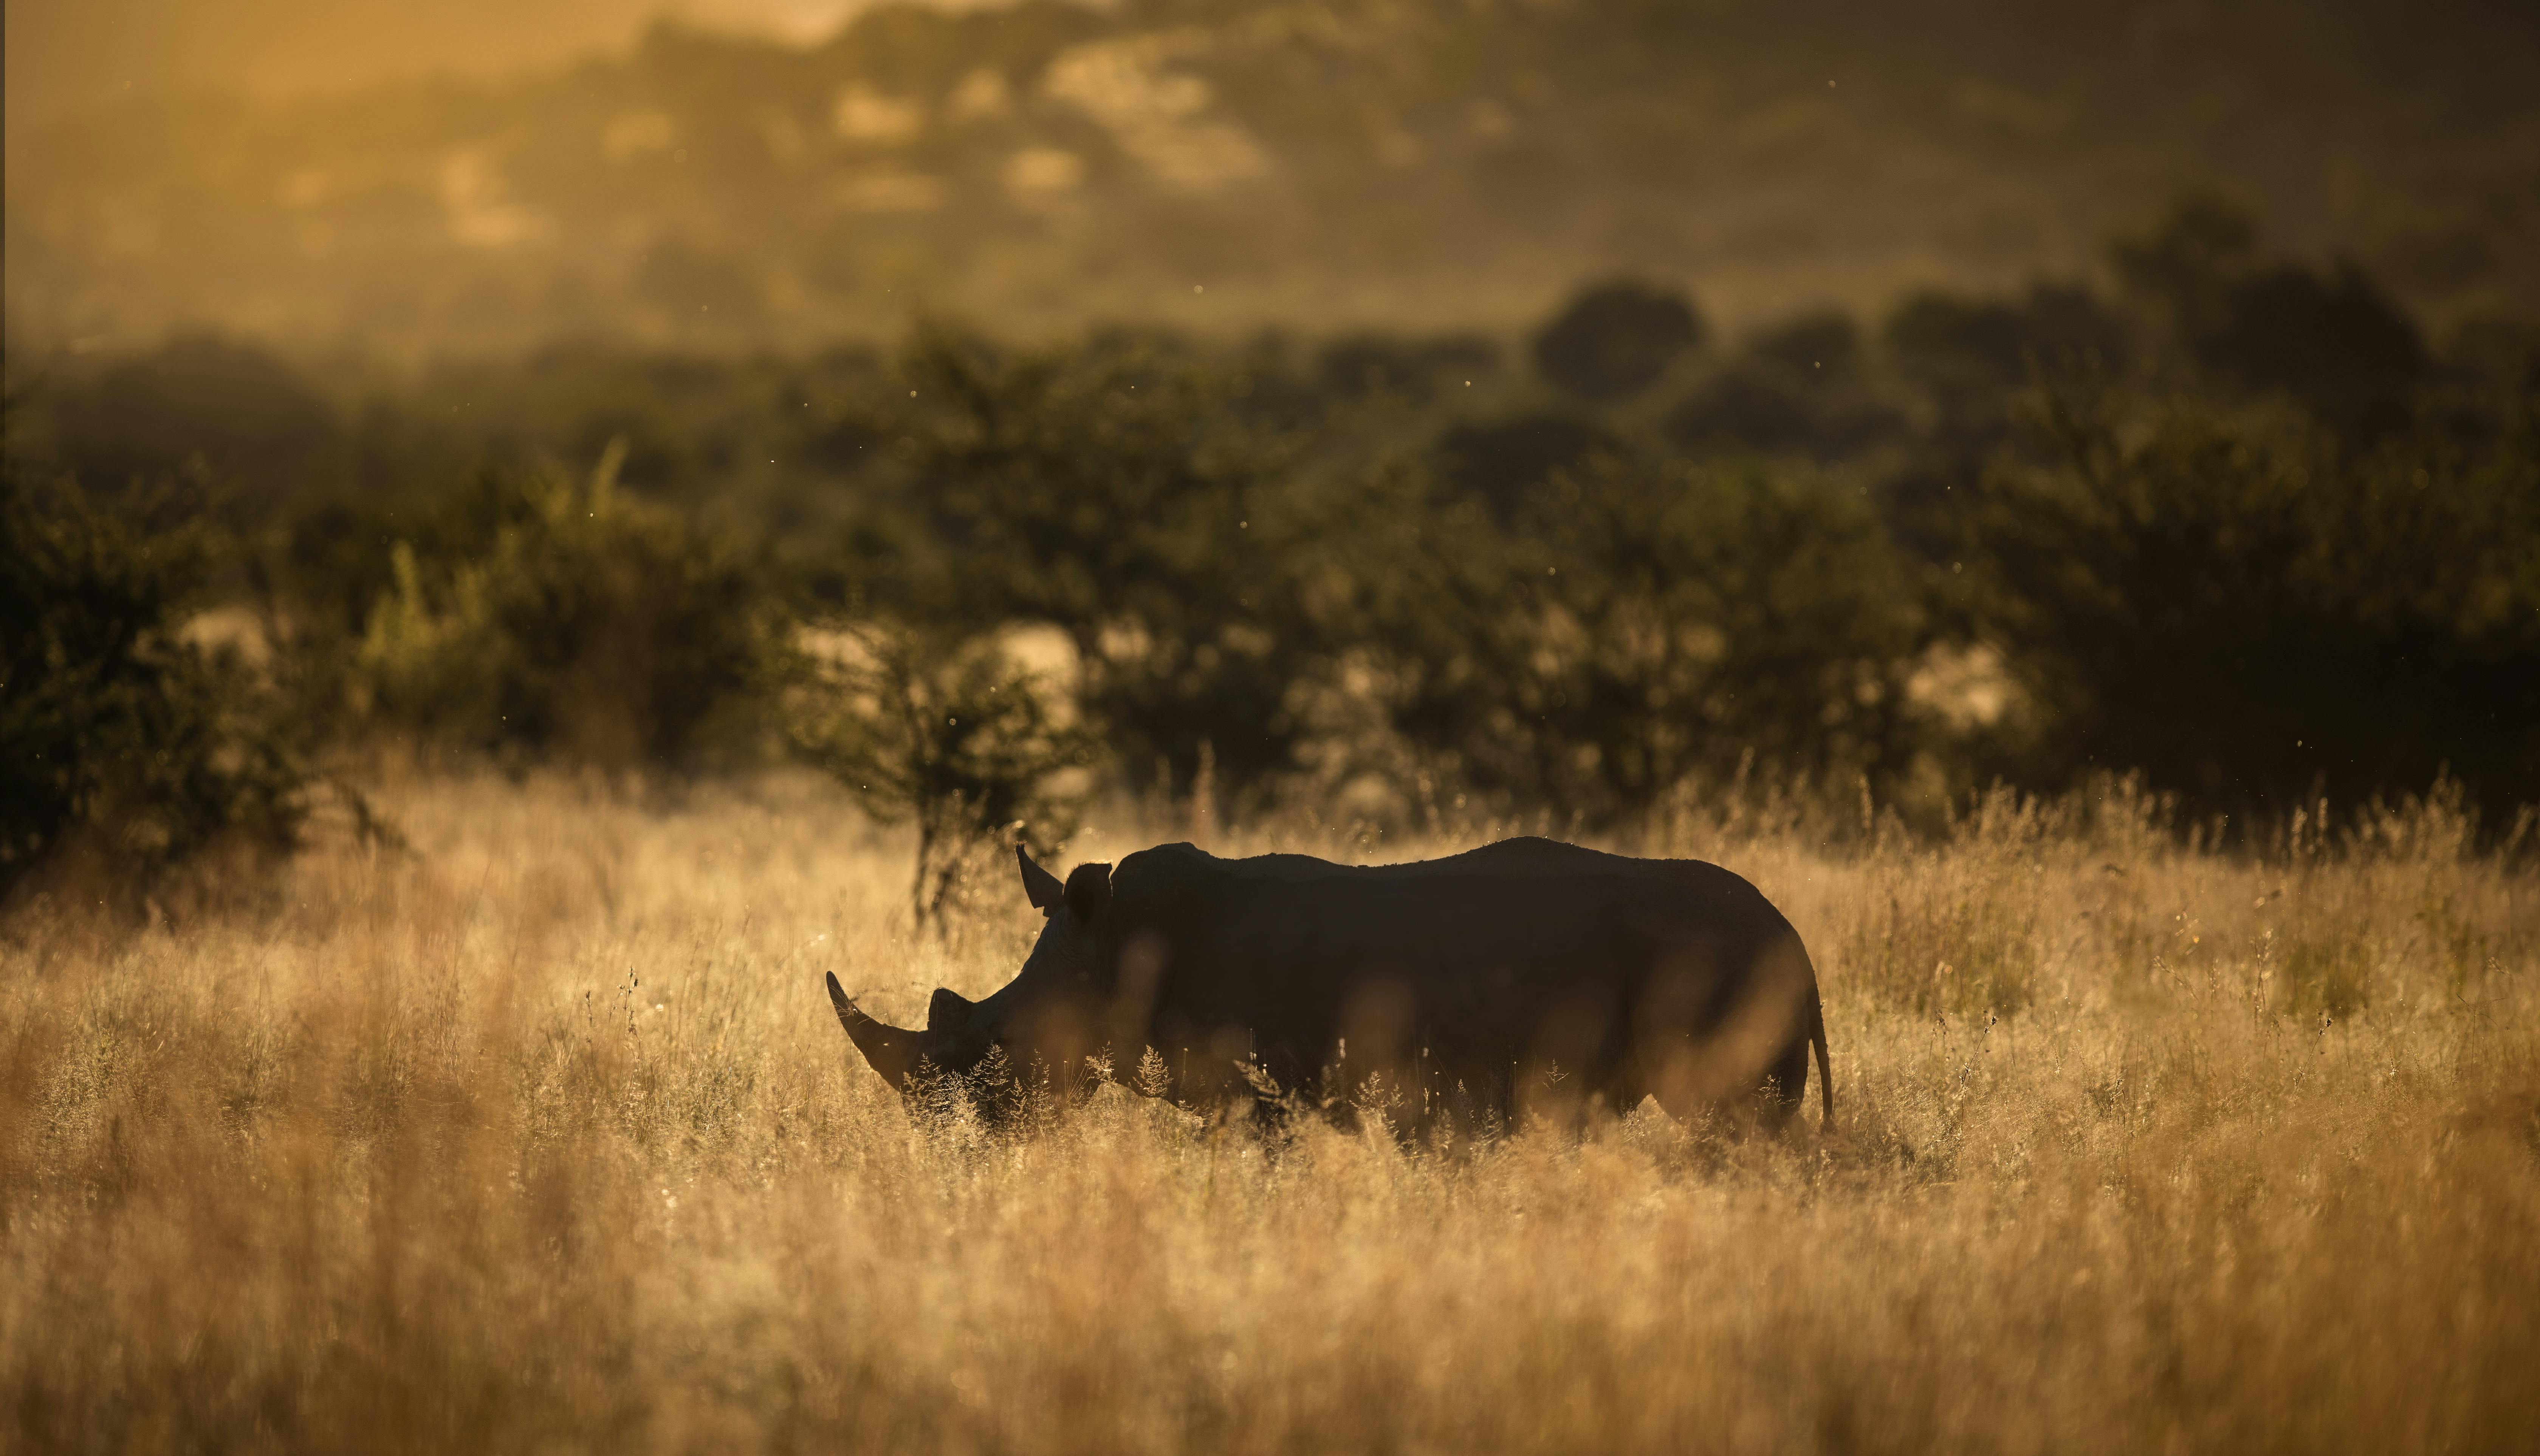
{"points": [[1526, 974]]}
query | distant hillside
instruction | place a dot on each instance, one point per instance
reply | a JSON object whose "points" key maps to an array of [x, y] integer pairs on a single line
{"points": [[1230, 166]]}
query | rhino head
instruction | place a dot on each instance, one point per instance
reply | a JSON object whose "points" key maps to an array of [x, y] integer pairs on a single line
{"points": [[1048, 1015]]}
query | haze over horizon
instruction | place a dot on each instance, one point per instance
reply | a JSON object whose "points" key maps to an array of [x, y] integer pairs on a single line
{"points": [[784, 173], [65, 54]]}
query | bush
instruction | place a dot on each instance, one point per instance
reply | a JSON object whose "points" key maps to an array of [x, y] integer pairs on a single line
{"points": [[1501, 462], [200, 406], [569, 622], [2257, 616], [1644, 622], [1765, 406], [2332, 340], [1616, 338], [124, 744], [1971, 358], [1411, 370]]}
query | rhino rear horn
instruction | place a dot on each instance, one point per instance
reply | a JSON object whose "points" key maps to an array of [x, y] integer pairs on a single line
{"points": [[1089, 892], [892, 1052], [949, 1010], [1039, 886]]}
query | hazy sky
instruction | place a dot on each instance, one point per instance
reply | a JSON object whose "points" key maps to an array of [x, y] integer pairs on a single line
{"points": [[65, 52]]}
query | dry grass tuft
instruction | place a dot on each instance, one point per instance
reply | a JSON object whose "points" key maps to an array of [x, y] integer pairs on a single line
{"points": [[543, 1139]]}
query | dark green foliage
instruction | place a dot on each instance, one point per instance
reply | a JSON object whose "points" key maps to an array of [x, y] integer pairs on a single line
{"points": [[1410, 370], [540, 616], [2499, 357], [1969, 359], [1107, 492], [1500, 462], [948, 731], [2252, 618], [125, 746], [1284, 558], [1825, 346], [1763, 411], [1643, 623], [1766, 405], [2333, 340], [2184, 262], [205, 408], [2336, 342], [1615, 339], [1801, 388]]}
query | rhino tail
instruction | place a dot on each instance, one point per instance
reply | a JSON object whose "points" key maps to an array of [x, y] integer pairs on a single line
{"points": [[1825, 1072]]}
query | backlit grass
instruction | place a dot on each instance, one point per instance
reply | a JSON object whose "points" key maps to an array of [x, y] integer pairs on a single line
{"points": [[542, 1138]]}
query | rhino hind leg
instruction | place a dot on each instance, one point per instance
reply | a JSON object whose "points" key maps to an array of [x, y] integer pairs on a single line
{"points": [[1701, 1086], [1740, 1053], [1784, 1086]]}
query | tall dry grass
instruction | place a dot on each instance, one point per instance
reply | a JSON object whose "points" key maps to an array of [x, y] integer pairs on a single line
{"points": [[542, 1139]]}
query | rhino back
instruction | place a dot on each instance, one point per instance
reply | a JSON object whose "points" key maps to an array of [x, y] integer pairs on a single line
{"points": [[1485, 947]]}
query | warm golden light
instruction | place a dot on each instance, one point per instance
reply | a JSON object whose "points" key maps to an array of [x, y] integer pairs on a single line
{"points": [[559, 557]]}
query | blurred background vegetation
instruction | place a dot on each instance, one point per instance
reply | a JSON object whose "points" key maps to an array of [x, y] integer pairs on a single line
{"points": [[1558, 409], [409, 178]]}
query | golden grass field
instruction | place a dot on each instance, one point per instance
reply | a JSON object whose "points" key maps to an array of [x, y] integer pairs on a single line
{"points": [[541, 1138]]}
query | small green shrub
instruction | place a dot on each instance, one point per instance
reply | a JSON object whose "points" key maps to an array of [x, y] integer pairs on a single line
{"points": [[948, 731]]}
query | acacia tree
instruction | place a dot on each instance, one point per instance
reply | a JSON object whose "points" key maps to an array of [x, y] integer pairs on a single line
{"points": [[947, 731]]}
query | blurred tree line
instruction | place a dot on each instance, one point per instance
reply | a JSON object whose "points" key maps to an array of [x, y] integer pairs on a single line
{"points": [[2224, 518]]}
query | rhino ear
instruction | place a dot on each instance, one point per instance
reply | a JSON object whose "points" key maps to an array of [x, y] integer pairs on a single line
{"points": [[1089, 892], [947, 1011], [1039, 886]]}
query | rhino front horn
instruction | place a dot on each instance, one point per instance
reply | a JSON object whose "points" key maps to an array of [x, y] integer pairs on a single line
{"points": [[1039, 886], [890, 1051]]}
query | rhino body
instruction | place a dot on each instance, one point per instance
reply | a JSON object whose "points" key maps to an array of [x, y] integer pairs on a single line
{"points": [[1524, 976]]}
